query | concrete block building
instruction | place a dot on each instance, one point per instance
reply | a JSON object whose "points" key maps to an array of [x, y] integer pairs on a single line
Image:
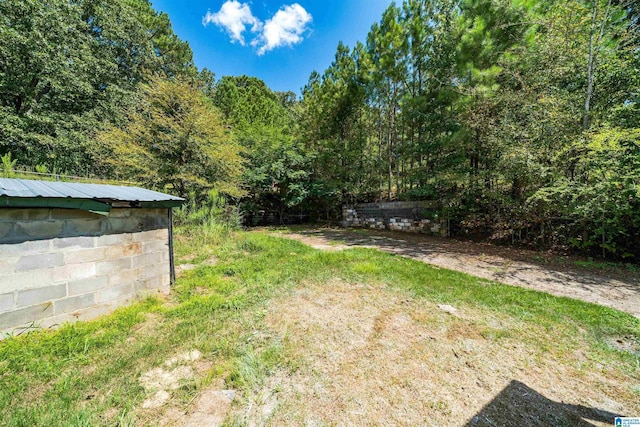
{"points": [[71, 251]]}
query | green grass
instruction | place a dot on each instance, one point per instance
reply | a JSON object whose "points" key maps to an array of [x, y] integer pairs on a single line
{"points": [[87, 373]]}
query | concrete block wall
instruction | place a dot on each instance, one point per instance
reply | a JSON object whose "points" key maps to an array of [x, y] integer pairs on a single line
{"points": [[396, 216], [60, 265]]}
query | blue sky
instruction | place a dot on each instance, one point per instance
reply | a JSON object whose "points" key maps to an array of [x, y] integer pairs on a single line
{"points": [[284, 41]]}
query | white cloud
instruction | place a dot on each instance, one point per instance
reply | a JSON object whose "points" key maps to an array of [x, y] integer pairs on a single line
{"points": [[285, 28], [233, 17]]}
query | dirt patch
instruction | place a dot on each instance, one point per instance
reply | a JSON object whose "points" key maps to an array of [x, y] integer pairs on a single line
{"points": [[159, 382], [183, 268], [506, 265], [368, 355]]}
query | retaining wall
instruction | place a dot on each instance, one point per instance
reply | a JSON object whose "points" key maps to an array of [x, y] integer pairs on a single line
{"points": [[60, 265], [416, 217]]}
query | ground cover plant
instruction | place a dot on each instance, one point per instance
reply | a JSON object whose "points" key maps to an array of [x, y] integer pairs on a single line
{"points": [[305, 336]]}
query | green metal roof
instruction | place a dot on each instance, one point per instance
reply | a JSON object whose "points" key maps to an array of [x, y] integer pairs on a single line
{"points": [[91, 197]]}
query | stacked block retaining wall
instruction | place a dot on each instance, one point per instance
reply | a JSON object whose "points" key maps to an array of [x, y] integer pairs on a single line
{"points": [[60, 265], [417, 217]]}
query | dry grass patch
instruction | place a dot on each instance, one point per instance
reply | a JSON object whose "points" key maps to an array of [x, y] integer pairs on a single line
{"points": [[370, 355]]}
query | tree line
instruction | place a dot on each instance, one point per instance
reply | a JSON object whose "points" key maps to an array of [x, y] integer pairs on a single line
{"points": [[519, 116]]}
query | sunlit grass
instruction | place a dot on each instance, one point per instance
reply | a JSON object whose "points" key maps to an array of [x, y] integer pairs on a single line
{"points": [[88, 373]]}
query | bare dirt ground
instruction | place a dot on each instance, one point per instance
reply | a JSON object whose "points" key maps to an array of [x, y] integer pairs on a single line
{"points": [[369, 355], [620, 290]]}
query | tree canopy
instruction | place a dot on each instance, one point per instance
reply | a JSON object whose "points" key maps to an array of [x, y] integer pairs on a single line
{"points": [[519, 116]]}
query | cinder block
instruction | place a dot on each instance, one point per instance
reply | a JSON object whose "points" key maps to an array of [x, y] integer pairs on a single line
{"points": [[124, 277], [84, 227], [161, 234], [39, 229], [29, 279], [123, 225], [75, 242], [68, 305], [22, 316], [35, 296], [127, 250], [6, 232], [72, 214], [7, 302], [115, 265], [73, 272], [120, 213], [8, 264], [145, 260], [152, 283], [114, 239], [155, 246], [166, 280], [84, 255], [87, 285], [39, 261], [25, 248], [13, 215], [154, 270], [114, 293], [93, 312]]}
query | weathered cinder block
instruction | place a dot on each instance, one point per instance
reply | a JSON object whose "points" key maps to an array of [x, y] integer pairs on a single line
{"points": [[120, 251], [8, 264], [155, 246], [152, 235], [39, 261], [124, 276], [72, 272], [154, 270], [108, 267], [124, 225], [88, 313], [67, 305], [85, 227], [120, 213], [84, 255], [145, 260], [28, 279], [25, 248], [114, 293], [6, 231], [38, 229], [72, 214], [114, 239], [89, 284], [39, 295], [7, 302], [75, 242], [82, 263], [13, 215], [23, 316]]}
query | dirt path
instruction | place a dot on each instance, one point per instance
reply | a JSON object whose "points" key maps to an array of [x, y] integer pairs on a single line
{"points": [[505, 265]]}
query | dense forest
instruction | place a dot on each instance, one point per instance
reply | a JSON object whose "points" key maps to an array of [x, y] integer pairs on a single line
{"points": [[520, 117]]}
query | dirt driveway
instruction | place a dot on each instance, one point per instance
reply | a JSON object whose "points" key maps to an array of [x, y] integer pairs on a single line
{"points": [[503, 264]]}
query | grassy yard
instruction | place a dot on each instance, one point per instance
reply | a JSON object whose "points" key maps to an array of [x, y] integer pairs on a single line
{"points": [[305, 336]]}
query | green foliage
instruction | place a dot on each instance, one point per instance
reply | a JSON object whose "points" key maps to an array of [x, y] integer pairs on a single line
{"points": [[506, 110], [66, 66], [8, 166], [211, 212], [276, 176], [174, 139]]}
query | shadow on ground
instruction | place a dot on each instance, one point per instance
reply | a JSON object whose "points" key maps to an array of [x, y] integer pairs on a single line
{"points": [[519, 405]]}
